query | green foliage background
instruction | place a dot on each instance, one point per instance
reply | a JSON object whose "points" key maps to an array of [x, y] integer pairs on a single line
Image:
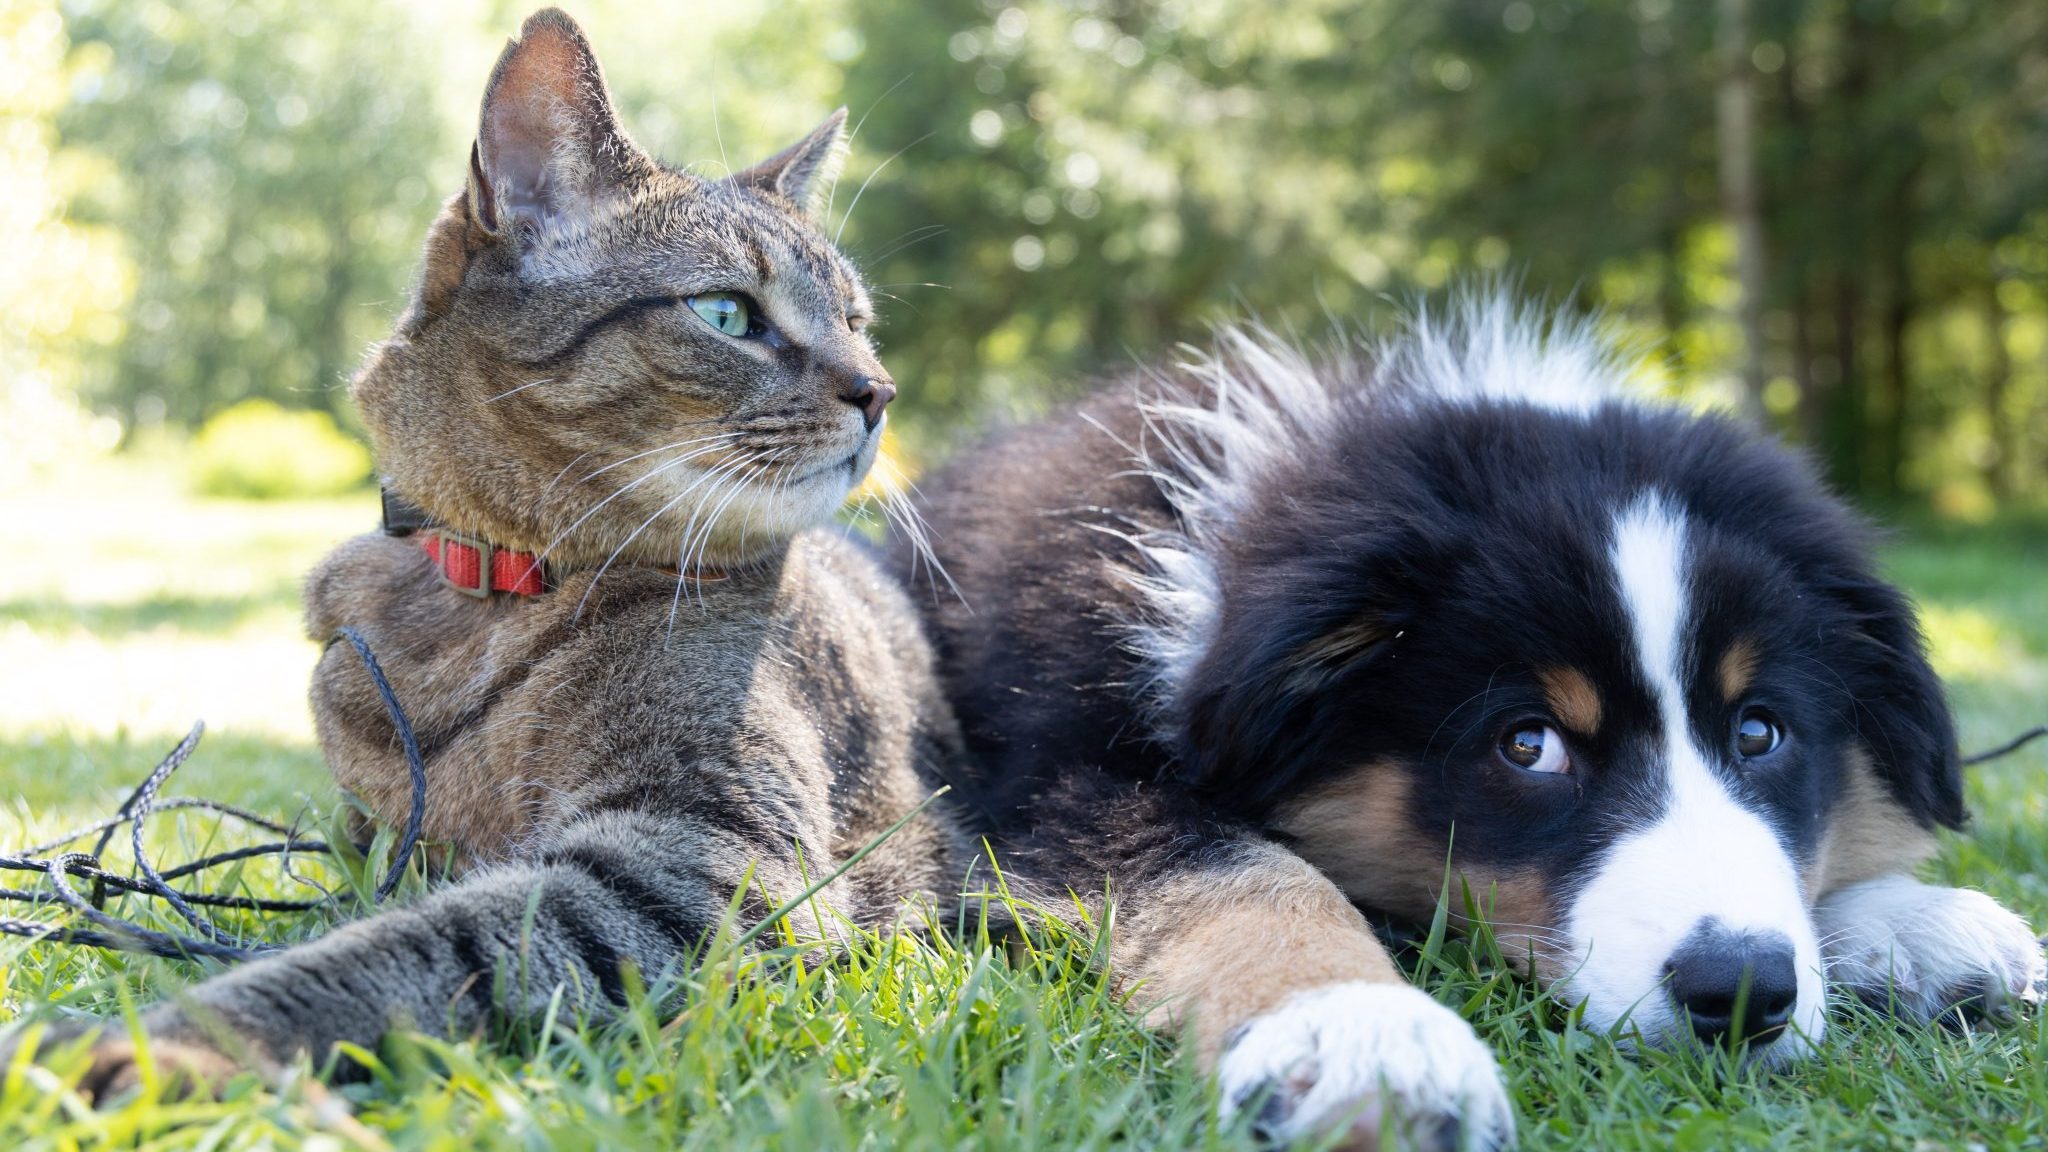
{"points": [[1047, 189], [208, 202]]}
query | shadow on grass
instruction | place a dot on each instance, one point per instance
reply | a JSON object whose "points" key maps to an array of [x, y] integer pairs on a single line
{"points": [[204, 615], [59, 777]]}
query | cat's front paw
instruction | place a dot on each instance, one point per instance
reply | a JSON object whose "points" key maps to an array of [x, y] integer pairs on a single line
{"points": [[1921, 950], [116, 1064], [1367, 1059], [184, 1068]]}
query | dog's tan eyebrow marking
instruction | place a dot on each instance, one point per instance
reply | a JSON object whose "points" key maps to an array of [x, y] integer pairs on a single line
{"points": [[1572, 697], [1738, 669]]}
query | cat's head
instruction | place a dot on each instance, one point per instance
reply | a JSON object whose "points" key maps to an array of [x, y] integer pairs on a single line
{"points": [[605, 355]]}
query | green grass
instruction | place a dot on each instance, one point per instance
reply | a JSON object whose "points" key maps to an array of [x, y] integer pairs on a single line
{"points": [[133, 611]]}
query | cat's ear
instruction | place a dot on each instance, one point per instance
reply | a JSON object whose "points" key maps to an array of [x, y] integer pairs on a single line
{"points": [[548, 146], [804, 171]]}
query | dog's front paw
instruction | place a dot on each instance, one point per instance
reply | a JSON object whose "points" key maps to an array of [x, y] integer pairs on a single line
{"points": [[1367, 1059], [1922, 950]]}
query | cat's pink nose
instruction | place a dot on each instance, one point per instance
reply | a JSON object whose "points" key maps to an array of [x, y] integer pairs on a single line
{"points": [[870, 396]]}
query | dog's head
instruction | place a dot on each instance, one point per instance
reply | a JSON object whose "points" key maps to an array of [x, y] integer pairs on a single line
{"points": [[1628, 671]]}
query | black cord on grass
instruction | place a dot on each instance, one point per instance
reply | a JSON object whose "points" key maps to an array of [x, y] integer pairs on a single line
{"points": [[413, 762], [137, 938], [212, 942], [143, 800], [163, 805], [2009, 747]]}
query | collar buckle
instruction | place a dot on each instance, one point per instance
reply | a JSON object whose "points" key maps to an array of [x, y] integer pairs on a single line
{"points": [[484, 558]]}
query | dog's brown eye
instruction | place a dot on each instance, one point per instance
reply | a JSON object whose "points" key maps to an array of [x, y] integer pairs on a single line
{"points": [[1535, 747], [1757, 735]]}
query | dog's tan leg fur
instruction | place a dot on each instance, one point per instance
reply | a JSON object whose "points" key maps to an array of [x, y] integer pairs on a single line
{"points": [[1210, 951], [1868, 834], [1904, 946], [1279, 987]]}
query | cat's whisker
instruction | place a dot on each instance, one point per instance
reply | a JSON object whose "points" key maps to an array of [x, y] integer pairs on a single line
{"points": [[717, 133], [686, 569], [773, 494], [739, 485], [635, 534], [900, 300], [857, 513], [768, 501], [594, 509], [862, 512], [832, 190], [628, 487], [917, 236], [694, 565], [653, 451], [920, 550], [902, 511], [683, 566], [891, 521], [871, 179], [719, 477], [520, 388], [573, 461]]}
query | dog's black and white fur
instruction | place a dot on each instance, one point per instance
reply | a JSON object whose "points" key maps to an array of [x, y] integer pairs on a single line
{"points": [[1269, 636]]}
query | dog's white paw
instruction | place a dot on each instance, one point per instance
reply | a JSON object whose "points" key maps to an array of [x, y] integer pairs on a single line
{"points": [[1367, 1058], [1922, 949]]}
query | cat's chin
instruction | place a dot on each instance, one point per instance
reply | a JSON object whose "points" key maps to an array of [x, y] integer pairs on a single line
{"points": [[704, 522], [763, 517]]}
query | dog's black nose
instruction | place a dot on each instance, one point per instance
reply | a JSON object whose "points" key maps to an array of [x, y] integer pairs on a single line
{"points": [[870, 395], [1731, 985]]}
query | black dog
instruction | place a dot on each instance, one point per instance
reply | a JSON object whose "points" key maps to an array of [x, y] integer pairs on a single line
{"points": [[1254, 637]]}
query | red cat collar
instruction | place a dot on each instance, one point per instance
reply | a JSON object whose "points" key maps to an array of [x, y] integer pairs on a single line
{"points": [[471, 566], [479, 568], [474, 568]]}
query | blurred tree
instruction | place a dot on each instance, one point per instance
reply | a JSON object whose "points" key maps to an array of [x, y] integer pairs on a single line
{"points": [[1045, 189], [1735, 127], [62, 286], [1082, 184], [268, 166]]}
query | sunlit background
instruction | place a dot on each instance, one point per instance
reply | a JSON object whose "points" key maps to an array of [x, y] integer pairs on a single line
{"points": [[1834, 212], [209, 201]]}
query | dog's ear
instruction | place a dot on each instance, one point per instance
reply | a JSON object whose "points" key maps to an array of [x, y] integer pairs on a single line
{"points": [[1901, 712], [1269, 692], [1874, 648]]}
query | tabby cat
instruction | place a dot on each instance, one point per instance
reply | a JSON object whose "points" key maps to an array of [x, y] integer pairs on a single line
{"points": [[620, 394]]}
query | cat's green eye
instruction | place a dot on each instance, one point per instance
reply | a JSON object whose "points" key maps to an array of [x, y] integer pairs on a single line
{"points": [[729, 312]]}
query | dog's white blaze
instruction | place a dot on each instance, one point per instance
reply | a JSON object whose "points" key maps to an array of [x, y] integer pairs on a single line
{"points": [[1707, 856]]}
